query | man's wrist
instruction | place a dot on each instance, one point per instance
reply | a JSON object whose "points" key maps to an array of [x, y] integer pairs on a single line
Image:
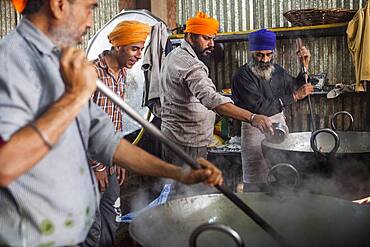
{"points": [[79, 99], [251, 118], [42, 135], [295, 97], [94, 165], [99, 168], [179, 174]]}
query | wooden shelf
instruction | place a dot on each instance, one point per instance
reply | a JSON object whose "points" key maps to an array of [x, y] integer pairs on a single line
{"points": [[337, 29]]}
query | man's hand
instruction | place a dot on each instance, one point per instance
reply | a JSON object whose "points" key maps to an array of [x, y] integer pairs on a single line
{"points": [[303, 91], [209, 174], [102, 178], [263, 123], [304, 56], [78, 74], [363, 201], [121, 174]]}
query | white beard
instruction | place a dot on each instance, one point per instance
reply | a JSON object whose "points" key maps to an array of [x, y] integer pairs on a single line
{"points": [[263, 73]]}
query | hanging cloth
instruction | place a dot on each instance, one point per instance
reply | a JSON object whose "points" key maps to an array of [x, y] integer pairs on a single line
{"points": [[358, 36]]}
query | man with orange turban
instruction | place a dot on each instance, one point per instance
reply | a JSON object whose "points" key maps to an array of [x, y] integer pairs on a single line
{"points": [[188, 96], [127, 40]]}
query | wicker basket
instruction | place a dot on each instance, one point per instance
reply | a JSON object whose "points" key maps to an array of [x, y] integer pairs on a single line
{"points": [[311, 17]]}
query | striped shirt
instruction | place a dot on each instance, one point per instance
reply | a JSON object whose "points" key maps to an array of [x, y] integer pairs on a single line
{"points": [[116, 85]]}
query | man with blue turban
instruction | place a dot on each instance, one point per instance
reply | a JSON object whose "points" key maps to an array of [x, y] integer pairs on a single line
{"points": [[263, 87]]}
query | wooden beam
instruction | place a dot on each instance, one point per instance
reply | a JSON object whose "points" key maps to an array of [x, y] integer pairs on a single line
{"points": [[165, 10], [143, 4], [171, 13], [281, 33], [127, 4]]}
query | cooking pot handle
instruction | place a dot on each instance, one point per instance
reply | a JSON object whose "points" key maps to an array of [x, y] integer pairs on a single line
{"points": [[279, 166], [327, 130], [332, 122], [217, 227]]}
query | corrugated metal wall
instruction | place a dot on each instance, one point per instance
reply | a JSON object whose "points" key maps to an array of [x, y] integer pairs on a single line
{"points": [[106, 10], [329, 54], [298, 118], [241, 15], [8, 17]]}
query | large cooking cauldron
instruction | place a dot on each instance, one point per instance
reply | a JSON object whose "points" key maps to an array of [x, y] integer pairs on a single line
{"points": [[302, 220], [330, 162]]}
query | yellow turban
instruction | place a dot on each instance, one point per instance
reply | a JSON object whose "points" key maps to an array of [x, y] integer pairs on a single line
{"points": [[201, 24], [129, 32], [19, 5]]}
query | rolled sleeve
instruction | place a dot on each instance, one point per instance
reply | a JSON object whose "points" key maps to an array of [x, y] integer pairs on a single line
{"points": [[17, 96], [202, 87], [12, 118], [103, 140]]}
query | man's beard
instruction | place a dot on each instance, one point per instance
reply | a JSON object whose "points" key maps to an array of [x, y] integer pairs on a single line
{"points": [[261, 69], [67, 35], [206, 59], [200, 52]]}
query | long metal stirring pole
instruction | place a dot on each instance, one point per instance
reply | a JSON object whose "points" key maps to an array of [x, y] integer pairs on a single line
{"points": [[158, 134], [309, 101], [311, 112], [299, 45]]}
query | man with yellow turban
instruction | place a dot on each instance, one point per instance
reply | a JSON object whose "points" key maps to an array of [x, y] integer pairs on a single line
{"points": [[127, 40], [188, 96]]}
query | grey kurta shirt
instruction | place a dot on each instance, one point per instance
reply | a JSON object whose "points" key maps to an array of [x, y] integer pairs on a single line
{"points": [[187, 97], [54, 203]]}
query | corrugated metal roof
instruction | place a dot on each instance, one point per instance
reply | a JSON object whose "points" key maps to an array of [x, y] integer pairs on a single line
{"points": [[239, 15]]}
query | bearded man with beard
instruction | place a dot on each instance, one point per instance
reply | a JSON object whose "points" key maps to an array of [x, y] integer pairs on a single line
{"points": [[264, 88], [188, 96]]}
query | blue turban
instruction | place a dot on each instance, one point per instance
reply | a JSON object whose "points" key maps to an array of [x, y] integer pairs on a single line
{"points": [[262, 40]]}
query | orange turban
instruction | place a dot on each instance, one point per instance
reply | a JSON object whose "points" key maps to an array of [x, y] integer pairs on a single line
{"points": [[19, 5], [201, 24], [129, 32]]}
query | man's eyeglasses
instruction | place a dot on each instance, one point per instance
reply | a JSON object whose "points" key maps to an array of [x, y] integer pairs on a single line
{"points": [[262, 55]]}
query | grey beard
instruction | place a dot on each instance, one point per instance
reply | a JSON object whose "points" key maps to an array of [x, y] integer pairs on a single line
{"points": [[264, 73], [66, 35], [60, 38]]}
